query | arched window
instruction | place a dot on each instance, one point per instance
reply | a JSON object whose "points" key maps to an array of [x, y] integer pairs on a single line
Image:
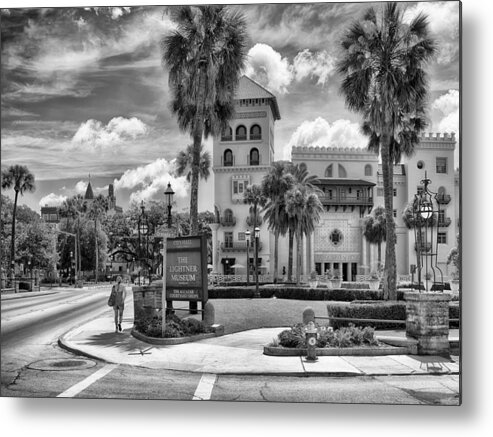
{"points": [[328, 171], [254, 157], [228, 216], [342, 172], [255, 132], [228, 158], [442, 190], [368, 170], [241, 133], [302, 166], [227, 134]]}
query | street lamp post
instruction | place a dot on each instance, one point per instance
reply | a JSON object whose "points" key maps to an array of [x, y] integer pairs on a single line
{"points": [[168, 193], [247, 235], [257, 235], [143, 228], [424, 214]]}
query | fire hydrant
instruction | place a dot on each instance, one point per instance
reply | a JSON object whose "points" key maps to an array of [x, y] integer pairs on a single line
{"points": [[311, 342]]}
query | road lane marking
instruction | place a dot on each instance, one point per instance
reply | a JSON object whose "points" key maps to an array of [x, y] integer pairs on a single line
{"points": [[204, 389], [91, 379]]}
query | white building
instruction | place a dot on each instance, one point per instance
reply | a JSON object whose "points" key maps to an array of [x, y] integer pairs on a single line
{"points": [[351, 181]]}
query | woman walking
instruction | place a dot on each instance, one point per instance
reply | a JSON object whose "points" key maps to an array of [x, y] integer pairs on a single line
{"points": [[119, 303]]}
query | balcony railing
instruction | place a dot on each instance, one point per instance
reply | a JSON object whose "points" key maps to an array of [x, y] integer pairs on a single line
{"points": [[227, 138], [241, 137], [228, 222], [444, 222], [337, 199], [255, 136], [443, 199], [239, 246]]}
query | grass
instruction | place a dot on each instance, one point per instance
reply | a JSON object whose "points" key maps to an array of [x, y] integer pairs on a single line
{"points": [[242, 314]]}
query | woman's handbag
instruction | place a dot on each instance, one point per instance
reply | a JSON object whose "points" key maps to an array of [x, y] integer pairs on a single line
{"points": [[111, 299]]}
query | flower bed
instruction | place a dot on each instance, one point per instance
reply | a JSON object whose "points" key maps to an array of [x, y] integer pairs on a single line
{"points": [[350, 340], [151, 326]]}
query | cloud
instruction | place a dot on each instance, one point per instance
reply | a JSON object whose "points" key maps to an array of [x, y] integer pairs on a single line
{"points": [[276, 73], [269, 68], [319, 132], [316, 65], [151, 180], [448, 105], [96, 136], [443, 18], [52, 199]]}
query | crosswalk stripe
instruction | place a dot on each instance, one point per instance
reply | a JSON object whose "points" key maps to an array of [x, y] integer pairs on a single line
{"points": [[91, 379], [204, 389]]}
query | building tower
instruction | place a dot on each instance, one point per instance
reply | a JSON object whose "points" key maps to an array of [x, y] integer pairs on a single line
{"points": [[242, 156]]}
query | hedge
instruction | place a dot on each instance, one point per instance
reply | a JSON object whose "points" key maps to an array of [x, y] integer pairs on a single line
{"points": [[378, 310], [299, 293]]}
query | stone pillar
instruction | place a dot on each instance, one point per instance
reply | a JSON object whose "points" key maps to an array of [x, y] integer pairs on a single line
{"points": [[427, 320], [312, 252], [364, 257]]}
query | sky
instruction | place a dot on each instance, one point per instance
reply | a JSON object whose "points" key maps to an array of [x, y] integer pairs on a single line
{"points": [[84, 93]]}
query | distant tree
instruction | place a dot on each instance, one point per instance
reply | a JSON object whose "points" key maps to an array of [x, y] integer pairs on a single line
{"points": [[96, 211], [375, 230], [275, 184], [21, 180]]}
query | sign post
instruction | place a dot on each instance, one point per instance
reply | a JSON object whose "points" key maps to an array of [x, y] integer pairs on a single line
{"points": [[168, 233], [186, 269]]}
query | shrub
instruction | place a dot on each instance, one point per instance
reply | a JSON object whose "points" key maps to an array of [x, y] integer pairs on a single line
{"points": [[327, 337], [174, 328], [378, 310]]}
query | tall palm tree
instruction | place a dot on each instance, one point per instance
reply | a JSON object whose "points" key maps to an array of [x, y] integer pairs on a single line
{"points": [[375, 229], [204, 56], [275, 185], [304, 208], [184, 166], [384, 80], [96, 211], [304, 179], [21, 179]]}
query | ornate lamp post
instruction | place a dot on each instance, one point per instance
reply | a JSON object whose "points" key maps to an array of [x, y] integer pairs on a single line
{"points": [[143, 228], [425, 212], [247, 236], [257, 235], [169, 193]]}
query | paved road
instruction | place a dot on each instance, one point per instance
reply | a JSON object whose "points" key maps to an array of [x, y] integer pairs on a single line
{"points": [[34, 366]]}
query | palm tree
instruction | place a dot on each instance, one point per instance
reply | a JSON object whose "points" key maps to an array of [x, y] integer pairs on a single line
{"points": [[184, 165], [385, 81], [374, 229], [21, 179], [97, 210], [304, 179], [304, 207], [204, 55], [254, 196], [274, 186]]}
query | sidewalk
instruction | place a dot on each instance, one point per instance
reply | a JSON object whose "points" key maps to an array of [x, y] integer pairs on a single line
{"points": [[239, 353]]}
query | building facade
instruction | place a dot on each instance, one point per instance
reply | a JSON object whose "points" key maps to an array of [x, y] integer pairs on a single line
{"points": [[351, 183]]}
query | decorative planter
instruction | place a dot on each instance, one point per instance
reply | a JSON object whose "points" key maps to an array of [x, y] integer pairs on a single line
{"points": [[336, 283], [313, 284], [454, 285], [427, 320], [374, 284]]}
